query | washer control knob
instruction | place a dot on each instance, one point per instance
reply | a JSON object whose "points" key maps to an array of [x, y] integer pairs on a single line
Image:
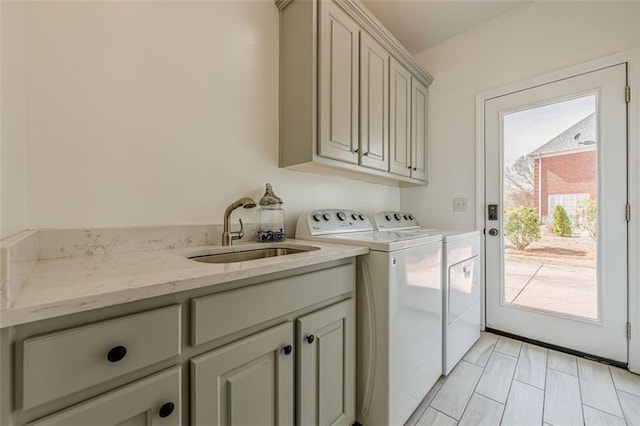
{"points": [[362, 217], [397, 216], [410, 217], [406, 217], [316, 217], [354, 216], [326, 216], [341, 216], [387, 216]]}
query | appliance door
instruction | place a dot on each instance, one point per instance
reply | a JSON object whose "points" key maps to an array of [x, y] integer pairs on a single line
{"points": [[415, 327], [464, 287]]}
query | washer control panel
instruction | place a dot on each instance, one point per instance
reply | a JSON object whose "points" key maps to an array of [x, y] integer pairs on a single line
{"points": [[332, 221], [386, 221]]}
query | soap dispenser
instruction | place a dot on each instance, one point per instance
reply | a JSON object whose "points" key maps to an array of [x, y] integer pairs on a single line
{"points": [[270, 217]]}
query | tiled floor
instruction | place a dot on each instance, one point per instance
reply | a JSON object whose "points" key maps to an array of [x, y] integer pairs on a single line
{"points": [[502, 381]]}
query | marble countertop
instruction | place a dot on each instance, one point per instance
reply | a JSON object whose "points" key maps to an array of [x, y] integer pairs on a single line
{"points": [[68, 285]]}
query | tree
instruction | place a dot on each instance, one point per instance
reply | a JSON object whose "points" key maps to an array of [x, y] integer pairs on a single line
{"points": [[587, 217], [518, 183], [521, 226], [561, 222]]}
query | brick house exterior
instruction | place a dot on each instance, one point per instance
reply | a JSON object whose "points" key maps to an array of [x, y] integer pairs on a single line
{"points": [[564, 168]]}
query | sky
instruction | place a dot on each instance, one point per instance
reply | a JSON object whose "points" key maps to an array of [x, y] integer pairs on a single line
{"points": [[525, 131]]}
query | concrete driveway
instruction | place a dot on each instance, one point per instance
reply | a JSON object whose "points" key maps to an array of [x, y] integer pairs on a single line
{"points": [[558, 288]]}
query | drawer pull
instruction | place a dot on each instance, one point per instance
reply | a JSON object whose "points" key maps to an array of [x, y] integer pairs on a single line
{"points": [[310, 338], [166, 409], [117, 353], [287, 349]]}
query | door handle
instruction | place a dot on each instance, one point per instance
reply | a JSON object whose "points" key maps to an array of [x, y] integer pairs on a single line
{"points": [[493, 232]]}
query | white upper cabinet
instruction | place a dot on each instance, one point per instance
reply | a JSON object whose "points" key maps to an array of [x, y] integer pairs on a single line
{"points": [[400, 120], [419, 129], [374, 104], [346, 88], [338, 84]]}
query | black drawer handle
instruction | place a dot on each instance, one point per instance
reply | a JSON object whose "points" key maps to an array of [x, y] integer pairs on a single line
{"points": [[287, 349], [310, 338], [166, 409], [116, 354]]}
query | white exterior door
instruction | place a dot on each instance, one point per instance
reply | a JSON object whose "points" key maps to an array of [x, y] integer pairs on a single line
{"points": [[556, 231]]}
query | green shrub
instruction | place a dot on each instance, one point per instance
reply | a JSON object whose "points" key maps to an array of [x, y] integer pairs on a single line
{"points": [[561, 222], [521, 226], [587, 217]]}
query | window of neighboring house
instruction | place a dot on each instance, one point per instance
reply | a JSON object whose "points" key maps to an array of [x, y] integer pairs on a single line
{"points": [[568, 201]]}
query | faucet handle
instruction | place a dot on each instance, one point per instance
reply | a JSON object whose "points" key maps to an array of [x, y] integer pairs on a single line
{"points": [[238, 235]]}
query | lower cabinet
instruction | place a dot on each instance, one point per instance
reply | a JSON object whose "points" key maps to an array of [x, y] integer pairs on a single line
{"points": [[246, 382], [251, 381], [153, 401], [326, 366], [279, 352]]}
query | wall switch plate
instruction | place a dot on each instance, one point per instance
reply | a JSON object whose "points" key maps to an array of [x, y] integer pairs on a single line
{"points": [[460, 204]]}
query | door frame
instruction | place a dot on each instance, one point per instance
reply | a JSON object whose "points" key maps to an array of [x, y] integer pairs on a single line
{"points": [[632, 58]]}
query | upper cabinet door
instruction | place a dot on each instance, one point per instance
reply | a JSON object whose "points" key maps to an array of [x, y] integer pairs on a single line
{"points": [[399, 119], [246, 382], [338, 84], [326, 366], [374, 104], [419, 129]]}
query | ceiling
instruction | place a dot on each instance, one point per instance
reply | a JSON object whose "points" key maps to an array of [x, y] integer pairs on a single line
{"points": [[421, 24]]}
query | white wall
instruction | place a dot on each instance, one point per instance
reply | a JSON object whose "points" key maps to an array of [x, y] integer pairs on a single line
{"points": [[13, 146], [154, 113], [532, 40]]}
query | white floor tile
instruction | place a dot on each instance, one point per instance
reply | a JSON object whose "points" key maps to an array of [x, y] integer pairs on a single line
{"points": [[593, 417], [481, 351], [562, 362], [532, 365], [524, 405], [434, 417], [457, 389], [597, 387], [497, 376], [625, 380], [508, 346], [631, 407], [562, 404], [482, 412]]}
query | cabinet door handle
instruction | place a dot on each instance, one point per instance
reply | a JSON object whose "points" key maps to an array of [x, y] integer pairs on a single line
{"points": [[365, 154], [166, 409], [287, 349], [415, 168], [355, 151], [409, 167], [116, 354], [310, 338]]}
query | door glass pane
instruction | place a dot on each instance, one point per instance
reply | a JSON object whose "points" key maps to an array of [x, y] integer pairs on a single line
{"points": [[550, 220]]}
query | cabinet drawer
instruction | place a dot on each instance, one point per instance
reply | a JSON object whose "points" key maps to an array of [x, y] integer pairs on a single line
{"points": [[225, 313], [153, 401], [58, 364]]}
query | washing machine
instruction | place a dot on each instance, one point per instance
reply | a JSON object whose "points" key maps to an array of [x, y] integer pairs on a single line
{"points": [[398, 308], [461, 269]]}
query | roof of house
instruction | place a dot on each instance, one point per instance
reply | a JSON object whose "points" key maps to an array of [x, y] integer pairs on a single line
{"points": [[580, 135]]}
